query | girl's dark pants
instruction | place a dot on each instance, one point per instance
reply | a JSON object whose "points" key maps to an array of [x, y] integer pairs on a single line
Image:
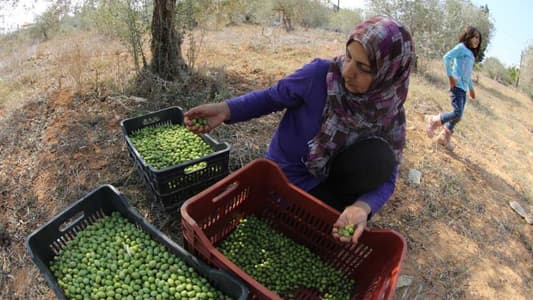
{"points": [[356, 170], [450, 119]]}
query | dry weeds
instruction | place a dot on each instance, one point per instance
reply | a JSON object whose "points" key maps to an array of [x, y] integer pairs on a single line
{"points": [[60, 138]]}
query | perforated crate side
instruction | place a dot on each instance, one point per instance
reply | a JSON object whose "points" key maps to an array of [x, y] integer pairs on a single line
{"points": [[172, 185], [177, 177], [262, 190]]}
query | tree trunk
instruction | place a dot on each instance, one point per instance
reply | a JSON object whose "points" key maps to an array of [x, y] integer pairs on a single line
{"points": [[167, 59], [519, 68], [287, 23]]}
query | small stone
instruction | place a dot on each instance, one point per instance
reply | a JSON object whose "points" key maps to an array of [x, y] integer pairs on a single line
{"points": [[404, 280], [138, 99], [414, 176], [521, 211]]}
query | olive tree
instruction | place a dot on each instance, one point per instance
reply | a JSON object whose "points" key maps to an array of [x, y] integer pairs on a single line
{"points": [[130, 20], [525, 80], [494, 69], [167, 59], [49, 21], [436, 24]]}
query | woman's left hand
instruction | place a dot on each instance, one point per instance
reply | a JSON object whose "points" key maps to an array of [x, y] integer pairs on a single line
{"points": [[355, 214]]}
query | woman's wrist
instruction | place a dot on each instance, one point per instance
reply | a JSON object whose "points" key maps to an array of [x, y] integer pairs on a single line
{"points": [[224, 106], [363, 205]]}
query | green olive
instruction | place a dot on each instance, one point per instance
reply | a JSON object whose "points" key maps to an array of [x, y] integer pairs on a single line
{"points": [[347, 231], [199, 122], [281, 264], [168, 145], [114, 259]]}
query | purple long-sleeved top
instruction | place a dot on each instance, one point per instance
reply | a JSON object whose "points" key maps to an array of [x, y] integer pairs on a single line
{"points": [[303, 94]]}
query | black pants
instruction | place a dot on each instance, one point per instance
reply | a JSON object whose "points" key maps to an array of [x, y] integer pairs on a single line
{"points": [[356, 170]]}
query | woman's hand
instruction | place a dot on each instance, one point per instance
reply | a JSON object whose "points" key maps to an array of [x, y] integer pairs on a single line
{"points": [[452, 82], [355, 214], [213, 113]]}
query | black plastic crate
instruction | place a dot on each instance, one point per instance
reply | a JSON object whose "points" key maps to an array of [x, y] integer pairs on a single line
{"points": [[50, 239], [173, 185], [175, 199]]}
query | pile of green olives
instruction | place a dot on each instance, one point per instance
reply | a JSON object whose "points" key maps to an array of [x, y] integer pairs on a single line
{"points": [[170, 144], [280, 264], [114, 259]]}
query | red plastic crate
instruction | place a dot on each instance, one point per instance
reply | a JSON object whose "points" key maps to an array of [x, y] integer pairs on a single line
{"points": [[261, 189]]}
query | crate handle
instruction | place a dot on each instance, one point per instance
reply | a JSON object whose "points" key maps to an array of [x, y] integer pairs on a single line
{"points": [[230, 188], [71, 221], [192, 168], [151, 120]]}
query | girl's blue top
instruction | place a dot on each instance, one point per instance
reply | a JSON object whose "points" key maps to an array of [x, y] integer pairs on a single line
{"points": [[459, 63]]}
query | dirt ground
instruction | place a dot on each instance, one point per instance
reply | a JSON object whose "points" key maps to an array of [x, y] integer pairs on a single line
{"points": [[464, 241]]}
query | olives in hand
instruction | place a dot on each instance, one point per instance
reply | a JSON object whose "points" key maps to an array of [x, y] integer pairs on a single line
{"points": [[199, 122], [347, 231]]}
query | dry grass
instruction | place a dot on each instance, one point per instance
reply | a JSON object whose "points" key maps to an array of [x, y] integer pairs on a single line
{"points": [[459, 217], [60, 138]]}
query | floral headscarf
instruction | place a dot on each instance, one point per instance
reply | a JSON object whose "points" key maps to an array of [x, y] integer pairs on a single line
{"points": [[347, 117]]}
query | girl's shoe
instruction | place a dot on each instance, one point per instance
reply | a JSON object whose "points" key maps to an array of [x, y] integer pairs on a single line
{"points": [[444, 137], [433, 123]]}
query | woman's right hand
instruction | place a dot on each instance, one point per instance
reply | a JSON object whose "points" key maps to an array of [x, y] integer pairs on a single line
{"points": [[452, 82], [356, 215], [214, 113]]}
